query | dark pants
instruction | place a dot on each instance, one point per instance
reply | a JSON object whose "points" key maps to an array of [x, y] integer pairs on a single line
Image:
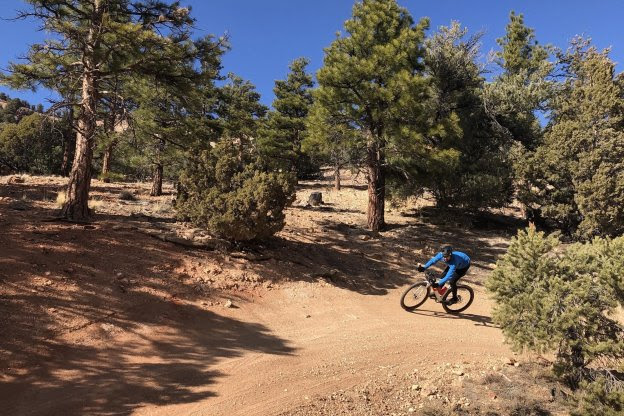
{"points": [[459, 273]]}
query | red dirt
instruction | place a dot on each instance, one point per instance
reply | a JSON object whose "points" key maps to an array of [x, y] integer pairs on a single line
{"points": [[103, 319]]}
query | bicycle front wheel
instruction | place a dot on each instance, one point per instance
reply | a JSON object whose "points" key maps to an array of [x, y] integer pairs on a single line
{"points": [[465, 296], [414, 296]]}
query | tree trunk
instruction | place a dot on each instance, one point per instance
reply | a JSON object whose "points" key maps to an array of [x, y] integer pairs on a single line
{"points": [[67, 144], [110, 124], [158, 169], [76, 206], [157, 181], [376, 186], [108, 155], [337, 177], [66, 151]]}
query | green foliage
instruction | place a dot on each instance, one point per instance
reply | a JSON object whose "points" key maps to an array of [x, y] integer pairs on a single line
{"points": [[239, 109], [520, 50], [226, 192], [127, 41], [514, 99], [524, 87], [598, 398], [371, 78], [466, 163], [329, 141], [112, 177], [554, 300], [34, 145], [280, 140], [13, 110], [576, 178], [227, 187], [371, 81], [167, 118]]}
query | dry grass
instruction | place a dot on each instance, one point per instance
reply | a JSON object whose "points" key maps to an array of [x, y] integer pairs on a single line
{"points": [[61, 197], [493, 378], [94, 204], [162, 207], [526, 407]]}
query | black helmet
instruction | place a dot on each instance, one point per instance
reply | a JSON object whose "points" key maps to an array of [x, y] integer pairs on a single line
{"points": [[446, 251]]}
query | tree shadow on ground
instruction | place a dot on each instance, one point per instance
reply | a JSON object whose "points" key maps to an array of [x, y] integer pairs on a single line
{"points": [[480, 320], [328, 207], [483, 246], [31, 192], [310, 261], [351, 257], [329, 185], [460, 218], [96, 321]]}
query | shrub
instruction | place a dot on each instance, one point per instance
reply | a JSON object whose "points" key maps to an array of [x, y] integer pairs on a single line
{"points": [[598, 398], [127, 196], [225, 191], [554, 300]]}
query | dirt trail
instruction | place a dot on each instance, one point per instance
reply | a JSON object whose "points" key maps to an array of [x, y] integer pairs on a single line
{"points": [[103, 319], [347, 340]]}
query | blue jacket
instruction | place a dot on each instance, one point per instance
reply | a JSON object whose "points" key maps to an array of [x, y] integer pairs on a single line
{"points": [[458, 260]]}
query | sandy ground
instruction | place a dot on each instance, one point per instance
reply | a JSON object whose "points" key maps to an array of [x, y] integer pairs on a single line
{"points": [[104, 319]]}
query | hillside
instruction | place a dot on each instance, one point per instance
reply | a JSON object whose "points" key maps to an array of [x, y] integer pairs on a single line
{"points": [[104, 318]]}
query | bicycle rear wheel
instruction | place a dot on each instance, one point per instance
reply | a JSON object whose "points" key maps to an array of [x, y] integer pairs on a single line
{"points": [[414, 296], [465, 296]]}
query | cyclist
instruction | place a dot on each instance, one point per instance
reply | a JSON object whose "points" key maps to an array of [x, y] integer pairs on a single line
{"points": [[457, 264]]}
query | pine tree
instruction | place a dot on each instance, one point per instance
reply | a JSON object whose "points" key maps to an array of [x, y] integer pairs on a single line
{"points": [[549, 300], [93, 40], [515, 97], [280, 141], [329, 140], [372, 79], [114, 111], [576, 178], [465, 162], [240, 111], [230, 194], [523, 87], [520, 50], [171, 117]]}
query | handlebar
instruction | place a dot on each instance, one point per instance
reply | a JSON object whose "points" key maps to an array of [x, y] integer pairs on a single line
{"points": [[430, 275]]}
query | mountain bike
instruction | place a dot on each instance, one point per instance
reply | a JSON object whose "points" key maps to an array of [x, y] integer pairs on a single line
{"points": [[419, 292]]}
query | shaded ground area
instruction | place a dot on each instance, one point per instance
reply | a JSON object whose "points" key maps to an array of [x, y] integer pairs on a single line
{"points": [[95, 320]]}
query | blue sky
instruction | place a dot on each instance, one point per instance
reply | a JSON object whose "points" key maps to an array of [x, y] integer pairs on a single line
{"points": [[267, 35]]}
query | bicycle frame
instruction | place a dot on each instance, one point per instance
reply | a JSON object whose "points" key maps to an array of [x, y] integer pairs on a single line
{"points": [[430, 278]]}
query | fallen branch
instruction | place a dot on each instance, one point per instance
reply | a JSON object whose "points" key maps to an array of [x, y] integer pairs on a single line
{"points": [[212, 244], [251, 257]]}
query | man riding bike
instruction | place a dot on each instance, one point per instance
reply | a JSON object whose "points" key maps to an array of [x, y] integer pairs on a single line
{"points": [[457, 264]]}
